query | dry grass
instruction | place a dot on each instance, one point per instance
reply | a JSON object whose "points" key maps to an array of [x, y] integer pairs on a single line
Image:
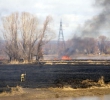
{"points": [[44, 93], [17, 89], [91, 88], [12, 91], [18, 62], [80, 84], [101, 81]]}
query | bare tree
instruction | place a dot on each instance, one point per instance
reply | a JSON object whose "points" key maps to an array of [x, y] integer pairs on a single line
{"points": [[29, 34], [46, 34], [103, 44], [79, 45], [34, 37], [89, 45], [10, 32], [24, 38]]}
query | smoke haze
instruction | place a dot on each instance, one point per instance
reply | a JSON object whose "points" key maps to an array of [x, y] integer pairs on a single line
{"points": [[100, 23]]}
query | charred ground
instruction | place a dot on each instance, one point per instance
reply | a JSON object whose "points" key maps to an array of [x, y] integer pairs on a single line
{"points": [[52, 75]]}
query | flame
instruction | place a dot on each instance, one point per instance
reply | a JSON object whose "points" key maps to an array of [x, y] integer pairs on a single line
{"points": [[66, 58]]}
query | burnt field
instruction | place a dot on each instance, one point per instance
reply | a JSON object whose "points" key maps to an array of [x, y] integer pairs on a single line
{"points": [[51, 75]]}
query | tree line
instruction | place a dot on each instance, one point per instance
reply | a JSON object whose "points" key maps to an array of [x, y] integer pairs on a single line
{"points": [[81, 45], [24, 35], [88, 45]]}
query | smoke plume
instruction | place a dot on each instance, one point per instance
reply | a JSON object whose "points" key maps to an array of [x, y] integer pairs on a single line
{"points": [[100, 22], [95, 27]]}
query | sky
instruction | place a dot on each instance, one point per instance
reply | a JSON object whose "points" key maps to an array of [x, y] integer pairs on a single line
{"points": [[73, 13]]}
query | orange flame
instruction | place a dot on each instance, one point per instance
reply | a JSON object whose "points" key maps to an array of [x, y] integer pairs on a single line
{"points": [[66, 58]]}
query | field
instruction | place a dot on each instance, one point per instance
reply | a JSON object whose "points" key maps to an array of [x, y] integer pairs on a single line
{"points": [[51, 75], [53, 81]]}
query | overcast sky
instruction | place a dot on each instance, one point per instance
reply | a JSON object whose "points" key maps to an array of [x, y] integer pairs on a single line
{"points": [[72, 12]]}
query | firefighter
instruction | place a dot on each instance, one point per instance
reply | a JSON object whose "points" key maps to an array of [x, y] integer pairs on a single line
{"points": [[23, 77]]}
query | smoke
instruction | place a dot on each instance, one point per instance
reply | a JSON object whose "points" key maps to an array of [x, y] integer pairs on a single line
{"points": [[100, 23], [86, 42]]}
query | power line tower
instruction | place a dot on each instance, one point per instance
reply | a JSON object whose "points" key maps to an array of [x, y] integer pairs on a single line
{"points": [[61, 42]]}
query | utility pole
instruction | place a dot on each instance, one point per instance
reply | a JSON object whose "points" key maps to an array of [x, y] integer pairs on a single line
{"points": [[61, 42]]}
